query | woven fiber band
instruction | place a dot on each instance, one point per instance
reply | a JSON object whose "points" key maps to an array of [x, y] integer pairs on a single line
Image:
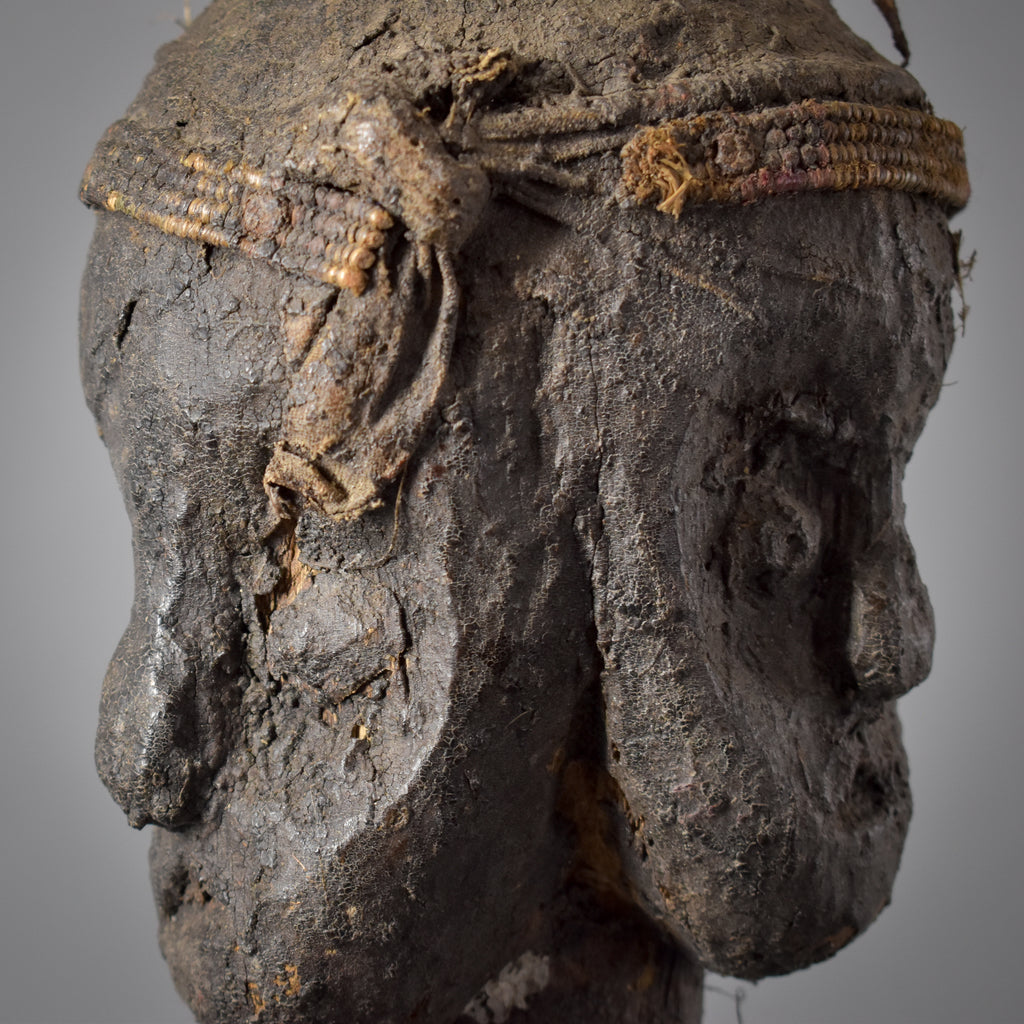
{"points": [[727, 157], [336, 235], [316, 230]]}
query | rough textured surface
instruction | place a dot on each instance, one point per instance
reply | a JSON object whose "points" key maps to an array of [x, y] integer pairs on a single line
{"points": [[591, 660]]}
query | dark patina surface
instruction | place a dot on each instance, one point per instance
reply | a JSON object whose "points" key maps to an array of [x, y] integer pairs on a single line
{"points": [[521, 583]]}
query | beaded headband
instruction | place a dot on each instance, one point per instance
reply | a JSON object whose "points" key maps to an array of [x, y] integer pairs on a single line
{"points": [[728, 157], [334, 234], [316, 230]]}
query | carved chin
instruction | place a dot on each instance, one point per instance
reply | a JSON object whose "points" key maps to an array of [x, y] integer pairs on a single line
{"points": [[274, 942], [792, 867]]}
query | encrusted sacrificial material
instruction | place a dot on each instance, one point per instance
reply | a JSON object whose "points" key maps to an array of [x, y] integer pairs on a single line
{"points": [[500, 541], [732, 157], [317, 230]]}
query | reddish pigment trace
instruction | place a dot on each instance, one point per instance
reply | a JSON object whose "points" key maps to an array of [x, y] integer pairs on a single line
{"points": [[732, 157]]}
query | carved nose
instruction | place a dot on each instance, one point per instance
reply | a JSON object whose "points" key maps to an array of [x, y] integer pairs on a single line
{"points": [[164, 714], [891, 627], [144, 750]]}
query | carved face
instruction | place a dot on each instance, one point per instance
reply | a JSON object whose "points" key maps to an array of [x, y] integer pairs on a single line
{"points": [[758, 606], [664, 485]]}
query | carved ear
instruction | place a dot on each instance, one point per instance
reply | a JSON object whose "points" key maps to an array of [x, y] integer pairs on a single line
{"points": [[359, 405]]}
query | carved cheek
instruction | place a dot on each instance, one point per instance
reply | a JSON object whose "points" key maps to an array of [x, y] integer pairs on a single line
{"points": [[335, 638]]}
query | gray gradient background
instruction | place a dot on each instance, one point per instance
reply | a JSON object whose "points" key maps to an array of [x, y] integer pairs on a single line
{"points": [[77, 929]]}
